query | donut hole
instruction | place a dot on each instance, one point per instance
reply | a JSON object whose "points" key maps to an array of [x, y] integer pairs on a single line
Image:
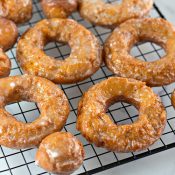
{"points": [[24, 111], [123, 113], [57, 50], [147, 51]]}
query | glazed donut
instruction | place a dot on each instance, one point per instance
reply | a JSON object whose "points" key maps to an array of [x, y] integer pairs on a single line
{"points": [[58, 8], [8, 36], [19, 11], [97, 127], [111, 15], [119, 61], [5, 64], [52, 103], [60, 153], [84, 60]]}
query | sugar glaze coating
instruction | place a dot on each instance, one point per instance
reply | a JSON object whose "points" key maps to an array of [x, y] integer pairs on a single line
{"points": [[8, 36], [111, 15], [97, 127], [60, 153], [84, 60], [58, 8], [19, 11], [5, 64], [119, 61], [51, 101]]}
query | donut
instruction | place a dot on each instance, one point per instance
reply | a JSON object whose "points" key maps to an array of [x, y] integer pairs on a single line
{"points": [[52, 102], [58, 8], [60, 153], [8, 36], [84, 60], [121, 63], [19, 11], [97, 127], [110, 15], [5, 64]]}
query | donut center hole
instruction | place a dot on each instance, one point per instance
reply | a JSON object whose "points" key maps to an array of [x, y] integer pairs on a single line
{"points": [[57, 50], [24, 111], [123, 113], [113, 1], [147, 51]]}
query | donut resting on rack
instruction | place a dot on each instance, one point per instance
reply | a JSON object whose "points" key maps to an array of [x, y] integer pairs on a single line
{"points": [[51, 101], [58, 8], [111, 15], [8, 36], [84, 60], [97, 127], [19, 11], [120, 62], [60, 153]]}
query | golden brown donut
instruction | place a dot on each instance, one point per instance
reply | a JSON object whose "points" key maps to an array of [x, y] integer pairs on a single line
{"points": [[51, 101], [58, 8], [119, 61], [8, 33], [5, 64], [110, 15], [19, 11], [97, 127], [60, 153], [8, 36], [84, 60]]}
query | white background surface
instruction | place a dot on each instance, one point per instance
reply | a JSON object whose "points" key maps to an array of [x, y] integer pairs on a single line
{"points": [[21, 162], [162, 163], [167, 7]]}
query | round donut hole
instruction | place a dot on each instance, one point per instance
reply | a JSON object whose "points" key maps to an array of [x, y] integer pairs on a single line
{"points": [[123, 113], [113, 1], [24, 111], [57, 50], [147, 51]]}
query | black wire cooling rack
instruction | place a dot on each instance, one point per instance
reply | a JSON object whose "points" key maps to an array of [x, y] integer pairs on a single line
{"points": [[17, 162]]}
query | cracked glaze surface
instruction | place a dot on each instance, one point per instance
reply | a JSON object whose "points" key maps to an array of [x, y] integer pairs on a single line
{"points": [[110, 15], [119, 61], [84, 60], [51, 101], [97, 127], [60, 153], [19, 11], [8, 36], [58, 8]]}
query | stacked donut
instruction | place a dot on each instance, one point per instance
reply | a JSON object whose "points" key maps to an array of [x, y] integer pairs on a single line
{"points": [[41, 72]]}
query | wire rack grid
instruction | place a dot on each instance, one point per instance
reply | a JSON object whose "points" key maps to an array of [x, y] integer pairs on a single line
{"points": [[17, 162]]}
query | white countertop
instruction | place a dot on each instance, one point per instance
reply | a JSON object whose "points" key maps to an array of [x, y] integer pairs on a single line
{"points": [[167, 7], [162, 163]]}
